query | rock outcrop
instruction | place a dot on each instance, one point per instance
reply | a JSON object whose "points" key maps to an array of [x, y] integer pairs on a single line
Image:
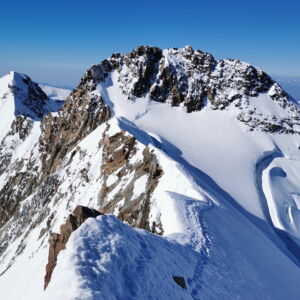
{"points": [[82, 112], [118, 152], [58, 241]]}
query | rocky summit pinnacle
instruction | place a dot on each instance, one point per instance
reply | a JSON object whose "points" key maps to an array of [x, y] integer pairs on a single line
{"points": [[193, 78]]}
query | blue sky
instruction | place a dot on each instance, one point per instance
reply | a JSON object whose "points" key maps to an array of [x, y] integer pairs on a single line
{"points": [[56, 41]]}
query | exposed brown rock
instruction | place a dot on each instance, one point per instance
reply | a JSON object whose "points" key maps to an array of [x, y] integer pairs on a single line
{"points": [[58, 241], [82, 112], [117, 153], [61, 134]]}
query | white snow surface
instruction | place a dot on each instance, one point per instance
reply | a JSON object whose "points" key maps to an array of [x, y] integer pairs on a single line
{"points": [[212, 141], [7, 107], [106, 259]]}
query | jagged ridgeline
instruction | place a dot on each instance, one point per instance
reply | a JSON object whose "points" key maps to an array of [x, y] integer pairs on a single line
{"points": [[96, 150]]}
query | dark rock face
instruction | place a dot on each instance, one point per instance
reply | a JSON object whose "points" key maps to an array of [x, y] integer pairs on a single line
{"points": [[20, 130], [187, 76], [21, 126], [144, 70], [180, 281], [58, 241], [174, 83], [15, 190], [21, 221]]}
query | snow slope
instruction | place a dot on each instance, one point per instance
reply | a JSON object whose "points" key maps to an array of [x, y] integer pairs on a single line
{"points": [[106, 259], [214, 142], [203, 232], [6, 106]]}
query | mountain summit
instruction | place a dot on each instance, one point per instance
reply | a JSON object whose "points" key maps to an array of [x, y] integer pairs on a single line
{"points": [[166, 174]]}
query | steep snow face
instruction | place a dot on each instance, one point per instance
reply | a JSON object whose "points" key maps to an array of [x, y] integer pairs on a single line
{"points": [[22, 103], [20, 99], [28, 98], [6, 105], [19, 96]]}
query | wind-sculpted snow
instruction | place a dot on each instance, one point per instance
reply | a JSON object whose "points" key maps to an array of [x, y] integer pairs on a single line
{"points": [[106, 259], [281, 188]]}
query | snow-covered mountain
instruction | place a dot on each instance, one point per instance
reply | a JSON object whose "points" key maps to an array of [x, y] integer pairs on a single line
{"points": [[166, 174], [55, 93]]}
